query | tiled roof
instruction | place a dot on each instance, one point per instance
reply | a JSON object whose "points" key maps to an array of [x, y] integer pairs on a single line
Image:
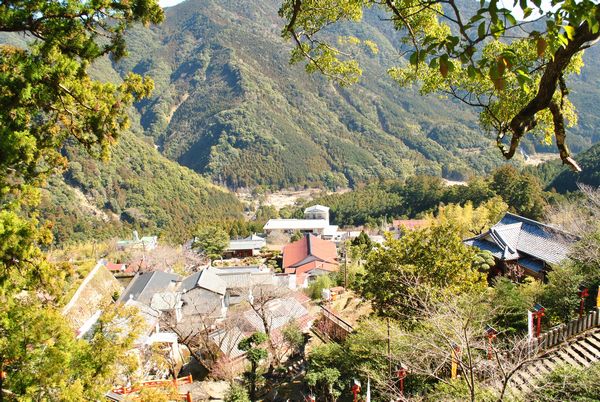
{"points": [[515, 237], [245, 279], [246, 244], [278, 313], [144, 285], [309, 248], [206, 279], [296, 224], [228, 340], [111, 266]]}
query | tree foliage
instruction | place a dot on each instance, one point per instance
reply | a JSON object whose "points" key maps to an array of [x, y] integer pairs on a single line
{"points": [[511, 70], [435, 257], [48, 98], [211, 241], [255, 354], [420, 196], [568, 383]]}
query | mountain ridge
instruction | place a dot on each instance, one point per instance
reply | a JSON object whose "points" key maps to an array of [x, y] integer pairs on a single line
{"points": [[229, 106]]}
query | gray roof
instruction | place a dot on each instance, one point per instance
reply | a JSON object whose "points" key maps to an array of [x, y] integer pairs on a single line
{"points": [[245, 244], [317, 208], [144, 285], [206, 279], [228, 340], [278, 313], [516, 237]]}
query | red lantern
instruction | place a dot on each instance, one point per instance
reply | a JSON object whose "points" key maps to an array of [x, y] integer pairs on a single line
{"points": [[538, 310], [583, 293], [355, 390], [401, 376]]}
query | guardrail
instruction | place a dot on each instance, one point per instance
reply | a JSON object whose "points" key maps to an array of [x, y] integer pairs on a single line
{"points": [[563, 332], [332, 326]]}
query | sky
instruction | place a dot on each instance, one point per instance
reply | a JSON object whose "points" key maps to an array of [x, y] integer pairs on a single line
{"points": [[169, 3], [507, 4]]}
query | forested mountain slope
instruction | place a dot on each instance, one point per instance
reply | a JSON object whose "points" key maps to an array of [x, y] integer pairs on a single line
{"points": [[559, 178], [229, 105], [136, 188]]}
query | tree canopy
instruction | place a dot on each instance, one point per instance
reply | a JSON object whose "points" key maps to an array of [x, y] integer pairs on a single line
{"points": [[47, 98], [511, 63]]}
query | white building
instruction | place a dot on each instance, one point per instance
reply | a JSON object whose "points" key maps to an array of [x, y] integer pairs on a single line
{"points": [[317, 212], [316, 222]]}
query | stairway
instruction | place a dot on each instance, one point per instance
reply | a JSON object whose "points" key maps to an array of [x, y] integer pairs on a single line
{"points": [[581, 351]]}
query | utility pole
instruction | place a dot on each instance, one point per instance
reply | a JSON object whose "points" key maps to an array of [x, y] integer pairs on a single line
{"points": [[389, 349]]}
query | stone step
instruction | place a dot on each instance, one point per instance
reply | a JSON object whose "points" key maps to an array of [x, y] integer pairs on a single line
{"points": [[581, 353], [591, 348], [593, 341], [564, 356]]}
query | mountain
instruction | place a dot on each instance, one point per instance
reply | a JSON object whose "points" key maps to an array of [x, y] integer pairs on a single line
{"points": [[137, 188], [562, 179], [229, 106]]}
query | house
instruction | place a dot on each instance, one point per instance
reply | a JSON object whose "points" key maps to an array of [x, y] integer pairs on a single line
{"points": [[146, 243], [277, 313], [247, 247], [316, 222], [240, 281], [522, 244], [309, 257], [146, 284], [115, 268], [317, 212], [204, 293]]}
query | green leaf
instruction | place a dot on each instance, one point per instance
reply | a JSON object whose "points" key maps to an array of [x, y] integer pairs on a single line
{"points": [[414, 58], [481, 30], [444, 66], [570, 31], [563, 40], [472, 72], [523, 4], [511, 19]]}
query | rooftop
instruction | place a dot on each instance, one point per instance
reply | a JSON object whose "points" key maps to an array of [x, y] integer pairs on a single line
{"points": [[245, 244], [206, 279], [309, 248], [296, 224], [316, 208], [144, 285], [516, 237]]}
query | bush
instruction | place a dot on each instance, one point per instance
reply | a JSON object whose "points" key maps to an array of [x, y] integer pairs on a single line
{"points": [[237, 393], [315, 289]]}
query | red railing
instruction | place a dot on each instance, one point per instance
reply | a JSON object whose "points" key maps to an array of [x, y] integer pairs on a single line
{"points": [[157, 383]]}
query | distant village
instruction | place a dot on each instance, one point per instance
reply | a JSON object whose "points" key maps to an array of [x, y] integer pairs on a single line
{"points": [[196, 313]]}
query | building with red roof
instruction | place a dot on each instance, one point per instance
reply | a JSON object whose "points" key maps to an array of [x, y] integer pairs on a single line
{"points": [[309, 257]]}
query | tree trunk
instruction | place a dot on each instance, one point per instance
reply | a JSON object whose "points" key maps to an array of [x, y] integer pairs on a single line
{"points": [[253, 383]]}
